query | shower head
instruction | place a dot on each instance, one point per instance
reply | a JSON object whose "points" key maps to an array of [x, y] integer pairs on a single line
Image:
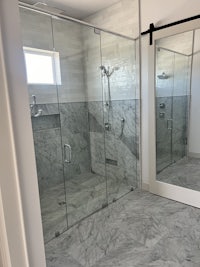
{"points": [[102, 67], [163, 76], [104, 70], [107, 71]]}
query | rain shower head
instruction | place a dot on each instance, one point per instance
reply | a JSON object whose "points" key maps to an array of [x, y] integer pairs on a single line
{"points": [[163, 76]]}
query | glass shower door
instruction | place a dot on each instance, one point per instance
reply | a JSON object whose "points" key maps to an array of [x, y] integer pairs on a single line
{"points": [[172, 83], [45, 117], [81, 114], [164, 107], [180, 102], [121, 107], [180, 180]]}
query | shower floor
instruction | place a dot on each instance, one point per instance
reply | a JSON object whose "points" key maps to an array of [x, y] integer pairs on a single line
{"points": [[185, 173], [140, 229], [85, 194]]}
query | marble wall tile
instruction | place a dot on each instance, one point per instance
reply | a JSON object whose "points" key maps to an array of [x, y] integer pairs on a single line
{"points": [[75, 132], [163, 134], [119, 146], [97, 149], [45, 122], [49, 108], [96, 116], [48, 150], [180, 127], [51, 132], [171, 143]]}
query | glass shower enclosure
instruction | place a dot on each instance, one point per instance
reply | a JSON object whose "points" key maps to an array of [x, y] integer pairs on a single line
{"points": [[85, 119], [172, 104]]}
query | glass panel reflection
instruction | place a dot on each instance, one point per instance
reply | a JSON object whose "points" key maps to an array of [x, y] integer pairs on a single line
{"points": [[177, 109]]}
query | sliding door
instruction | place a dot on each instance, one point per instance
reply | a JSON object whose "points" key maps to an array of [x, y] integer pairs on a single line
{"points": [[173, 125]]}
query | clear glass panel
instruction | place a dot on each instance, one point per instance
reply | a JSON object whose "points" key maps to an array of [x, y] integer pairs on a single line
{"points": [[121, 106], [172, 135], [37, 33], [164, 93], [80, 105], [180, 106], [86, 126]]}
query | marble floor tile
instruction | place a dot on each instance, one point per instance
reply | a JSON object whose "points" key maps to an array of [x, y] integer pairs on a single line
{"points": [[185, 173], [140, 229], [85, 194]]}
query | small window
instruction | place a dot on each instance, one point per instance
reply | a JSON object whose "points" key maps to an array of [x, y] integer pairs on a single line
{"points": [[42, 66]]}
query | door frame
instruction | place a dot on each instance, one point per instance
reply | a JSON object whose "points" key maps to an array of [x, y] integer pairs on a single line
{"points": [[177, 193]]}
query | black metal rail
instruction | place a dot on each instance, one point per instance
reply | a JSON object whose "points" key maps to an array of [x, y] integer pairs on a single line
{"points": [[152, 28]]}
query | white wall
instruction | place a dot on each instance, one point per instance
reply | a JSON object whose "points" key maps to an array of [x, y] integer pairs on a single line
{"points": [[18, 177], [121, 17], [194, 133], [159, 12]]}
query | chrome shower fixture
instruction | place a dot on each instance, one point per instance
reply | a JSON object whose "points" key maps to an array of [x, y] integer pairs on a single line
{"points": [[107, 71], [163, 76], [35, 111]]}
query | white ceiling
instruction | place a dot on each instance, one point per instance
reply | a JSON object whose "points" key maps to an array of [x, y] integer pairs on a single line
{"points": [[76, 8]]}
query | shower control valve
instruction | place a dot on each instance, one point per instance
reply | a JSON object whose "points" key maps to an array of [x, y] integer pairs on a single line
{"points": [[107, 126], [162, 105]]}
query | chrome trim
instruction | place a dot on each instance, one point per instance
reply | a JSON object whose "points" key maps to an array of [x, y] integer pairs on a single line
{"points": [[64, 17], [169, 124], [67, 147]]}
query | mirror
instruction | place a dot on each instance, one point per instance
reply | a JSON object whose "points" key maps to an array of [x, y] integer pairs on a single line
{"points": [[178, 110]]}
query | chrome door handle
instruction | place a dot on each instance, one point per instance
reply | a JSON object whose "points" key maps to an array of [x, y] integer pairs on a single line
{"points": [[68, 158], [169, 124]]}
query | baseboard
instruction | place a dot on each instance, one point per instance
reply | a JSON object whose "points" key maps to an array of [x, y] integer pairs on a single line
{"points": [[145, 186], [194, 155]]}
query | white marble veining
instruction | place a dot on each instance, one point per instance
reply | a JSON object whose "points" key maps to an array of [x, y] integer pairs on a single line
{"points": [[185, 173], [171, 143], [64, 204], [139, 230]]}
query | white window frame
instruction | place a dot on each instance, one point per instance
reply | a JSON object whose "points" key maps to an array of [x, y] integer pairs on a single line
{"points": [[55, 63]]}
